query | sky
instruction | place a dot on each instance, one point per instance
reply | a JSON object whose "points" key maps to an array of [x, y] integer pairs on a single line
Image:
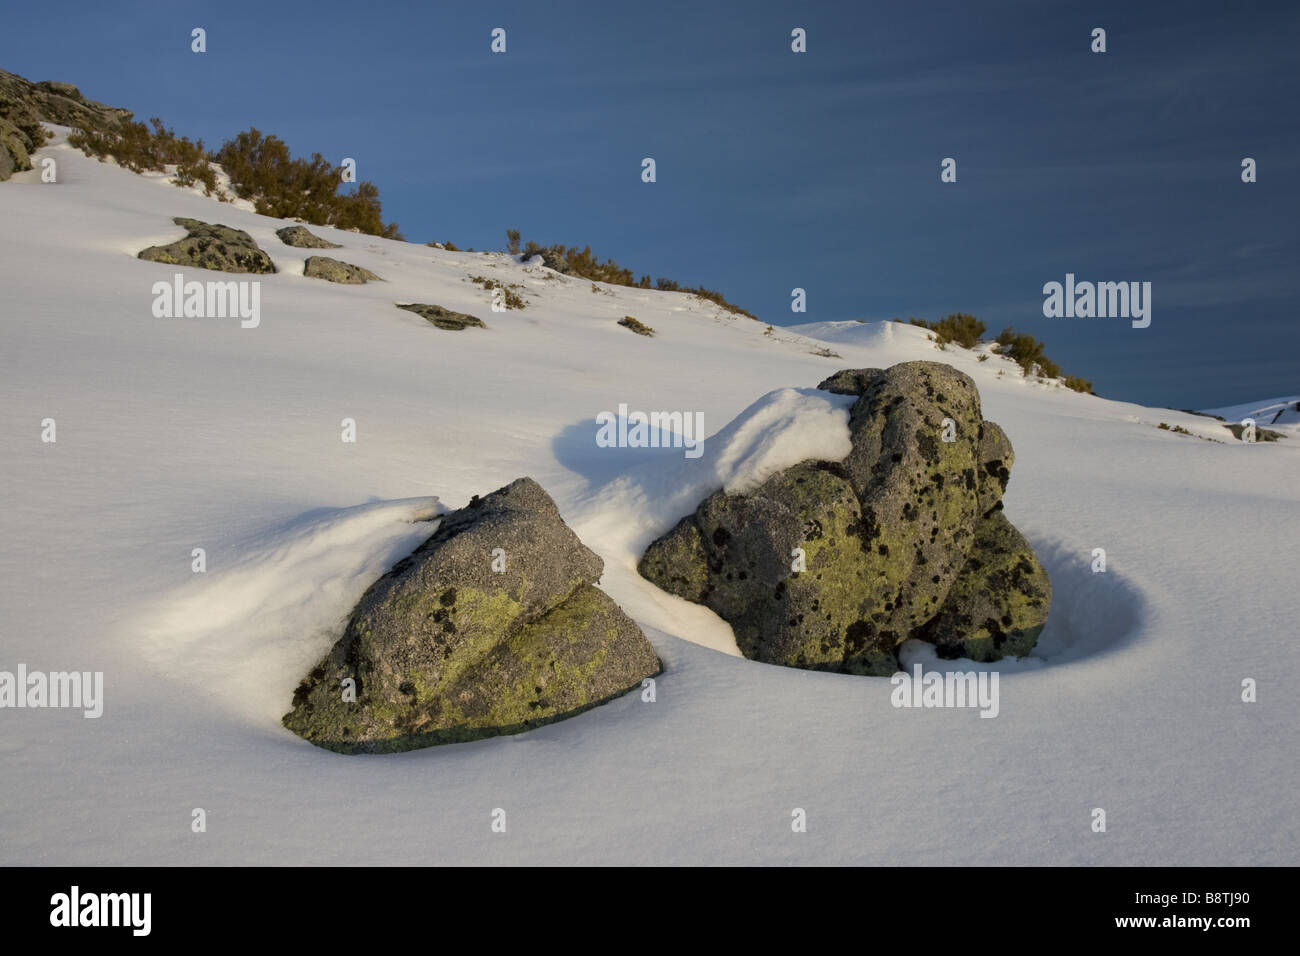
{"points": [[778, 170]]}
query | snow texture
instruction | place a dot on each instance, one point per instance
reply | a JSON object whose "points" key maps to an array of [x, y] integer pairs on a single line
{"points": [[177, 434]]}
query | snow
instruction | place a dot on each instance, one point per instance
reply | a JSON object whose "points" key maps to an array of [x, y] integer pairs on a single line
{"points": [[176, 434], [1277, 414]]}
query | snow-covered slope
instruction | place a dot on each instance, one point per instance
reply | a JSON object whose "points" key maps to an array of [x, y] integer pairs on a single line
{"points": [[1277, 414], [177, 434]]}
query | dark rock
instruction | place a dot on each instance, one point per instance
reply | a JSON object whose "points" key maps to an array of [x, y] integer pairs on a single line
{"points": [[736, 556], [444, 318], [14, 149], [996, 459], [918, 491], [209, 246], [443, 648], [850, 381], [332, 270], [998, 605], [885, 535], [301, 238]]}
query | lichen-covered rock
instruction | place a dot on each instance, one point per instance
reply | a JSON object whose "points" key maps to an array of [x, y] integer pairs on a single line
{"points": [[332, 270], [996, 459], [14, 146], [444, 318], [27, 105], [882, 537], [850, 381], [445, 647], [998, 605], [301, 238], [210, 246], [915, 435], [737, 555]]}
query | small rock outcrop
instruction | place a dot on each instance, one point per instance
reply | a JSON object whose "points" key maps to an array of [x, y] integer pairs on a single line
{"points": [[24, 105], [332, 270], [832, 565], [492, 626], [301, 238], [208, 246], [444, 318]]}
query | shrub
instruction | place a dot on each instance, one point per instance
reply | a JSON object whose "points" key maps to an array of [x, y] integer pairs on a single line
{"points": [[140, 147], [960, 328], [262, 169], [1025, 350], [512, 299], [1078, 384], [718, 298], [582, 264], [640, 328], [963, 329]]}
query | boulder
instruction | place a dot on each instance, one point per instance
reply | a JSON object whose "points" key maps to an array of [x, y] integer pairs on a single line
{"points": [[832, 565], [209, 246], [850, 381], [736, 554], [444, 318], [915, 433], [332, 270], [27, 104], [14, 145], [998, 605], [444, 648], [301, 238], [996, 459]]}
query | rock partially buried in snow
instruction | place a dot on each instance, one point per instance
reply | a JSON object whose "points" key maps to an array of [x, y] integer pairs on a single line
{"points": [[833, 565], [332, 270], [996, 459], [444, 318], [850, 381], [210, 246], [447, 648], [999, 603], [734, 555], [301, 238]]}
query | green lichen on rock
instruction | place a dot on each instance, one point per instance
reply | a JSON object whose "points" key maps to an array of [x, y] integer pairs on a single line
{"points": [[25, 105], [447, 648], [883, 536], [300, 237], [996, 459], [14, 149], [444, 318], [736, 554], [915, 433], [332, 270], [999, 603], [209, 246], [850, 381]]}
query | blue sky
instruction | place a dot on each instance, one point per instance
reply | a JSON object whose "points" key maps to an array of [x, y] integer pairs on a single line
{"points": [[779, 170]]}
